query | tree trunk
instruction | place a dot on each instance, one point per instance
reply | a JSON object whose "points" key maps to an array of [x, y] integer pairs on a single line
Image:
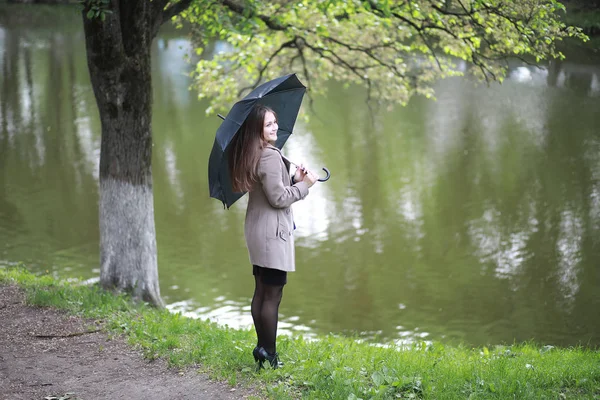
{"points": [[43, 1], [118, 54]]}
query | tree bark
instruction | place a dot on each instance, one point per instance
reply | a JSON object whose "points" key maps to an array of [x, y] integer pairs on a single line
{"points": [[118, 54], [43, 1]]}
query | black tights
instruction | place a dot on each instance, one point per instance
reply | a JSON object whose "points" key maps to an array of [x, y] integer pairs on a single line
{"points": [[265, 313]]}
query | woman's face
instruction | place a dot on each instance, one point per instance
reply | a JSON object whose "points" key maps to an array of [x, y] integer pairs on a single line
{"points": [[270, 127]]}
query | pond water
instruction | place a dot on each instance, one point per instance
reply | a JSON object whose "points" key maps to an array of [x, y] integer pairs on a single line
{"points": [[474, 218]]}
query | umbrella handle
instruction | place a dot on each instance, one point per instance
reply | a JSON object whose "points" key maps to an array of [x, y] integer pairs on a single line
{"points": [[327, 177], [320, 179]]}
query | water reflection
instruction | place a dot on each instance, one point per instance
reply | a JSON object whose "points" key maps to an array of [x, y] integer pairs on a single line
{"points": [[569, 248], [312, 218], [237, 315], [474, 218]]}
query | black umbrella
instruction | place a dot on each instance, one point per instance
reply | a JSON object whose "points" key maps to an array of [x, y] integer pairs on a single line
{"points": [[284, 96]]}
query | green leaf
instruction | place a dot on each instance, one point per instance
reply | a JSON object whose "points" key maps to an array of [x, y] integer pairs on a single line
{"points": [[321, 30], [378, 378]]}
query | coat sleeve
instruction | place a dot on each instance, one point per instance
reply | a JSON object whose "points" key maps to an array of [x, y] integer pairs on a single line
{"points": [[269, 172]]}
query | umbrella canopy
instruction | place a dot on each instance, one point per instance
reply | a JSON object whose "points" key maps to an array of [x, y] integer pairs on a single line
{"points": [[284, 96]]}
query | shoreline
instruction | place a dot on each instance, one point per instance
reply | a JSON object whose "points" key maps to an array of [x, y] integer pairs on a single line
{"points": [[330, 367]]}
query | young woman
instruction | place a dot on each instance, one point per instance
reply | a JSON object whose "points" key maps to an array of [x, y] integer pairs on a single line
{"points": [[257, 166]]}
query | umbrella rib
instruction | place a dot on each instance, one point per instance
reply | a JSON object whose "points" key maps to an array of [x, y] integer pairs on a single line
{"points": [[278, 92]]}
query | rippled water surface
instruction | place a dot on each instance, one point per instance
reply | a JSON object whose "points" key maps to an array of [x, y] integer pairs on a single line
{"points": [[474, 218]]}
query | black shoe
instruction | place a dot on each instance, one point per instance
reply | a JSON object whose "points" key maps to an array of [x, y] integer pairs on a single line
{"points": [[257, 355], [273, 359], [259, 358]]}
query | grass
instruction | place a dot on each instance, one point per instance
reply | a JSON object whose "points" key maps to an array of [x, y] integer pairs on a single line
{"points": [[331, 367]]}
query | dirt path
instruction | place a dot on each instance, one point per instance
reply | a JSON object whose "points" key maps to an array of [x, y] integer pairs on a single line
{"points": [[35, 364]]}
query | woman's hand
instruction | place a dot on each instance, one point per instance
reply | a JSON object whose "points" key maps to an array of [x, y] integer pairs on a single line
{"points": [[310, 178], [300, 173]]}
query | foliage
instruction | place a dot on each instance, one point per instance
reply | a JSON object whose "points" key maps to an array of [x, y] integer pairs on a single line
{"points": [[330, 367], [584, 15], [96, 8], [394, 48]]}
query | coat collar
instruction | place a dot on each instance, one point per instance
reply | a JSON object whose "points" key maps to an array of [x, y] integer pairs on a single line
{"points": [[270, 146], [285, 162]]}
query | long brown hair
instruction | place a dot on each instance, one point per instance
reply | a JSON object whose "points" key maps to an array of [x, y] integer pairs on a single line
{"points": [[245, 148]]}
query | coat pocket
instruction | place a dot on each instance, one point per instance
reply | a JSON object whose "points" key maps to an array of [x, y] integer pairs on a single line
{"points": [[282, 232], [271, 225]]}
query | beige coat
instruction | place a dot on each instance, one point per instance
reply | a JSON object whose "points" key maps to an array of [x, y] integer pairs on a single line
{"points": [[269, 227]]}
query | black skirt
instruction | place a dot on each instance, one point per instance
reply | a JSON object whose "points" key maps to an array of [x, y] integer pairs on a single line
{"points": [[270, 276]]}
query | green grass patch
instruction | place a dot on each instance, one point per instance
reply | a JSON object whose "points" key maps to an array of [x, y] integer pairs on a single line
{"points": [[331, 367]]}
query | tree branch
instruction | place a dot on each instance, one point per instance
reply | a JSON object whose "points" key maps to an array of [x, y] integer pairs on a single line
{"points": [[175, 9], [241, 10], [290, 43], [369, 52], [66, 335], [420, 29], [161, 15], [308, 80], [158, 6], [335, 59]]}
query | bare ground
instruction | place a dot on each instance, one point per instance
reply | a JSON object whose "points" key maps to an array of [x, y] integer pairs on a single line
{"points": [[45, 353]]}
